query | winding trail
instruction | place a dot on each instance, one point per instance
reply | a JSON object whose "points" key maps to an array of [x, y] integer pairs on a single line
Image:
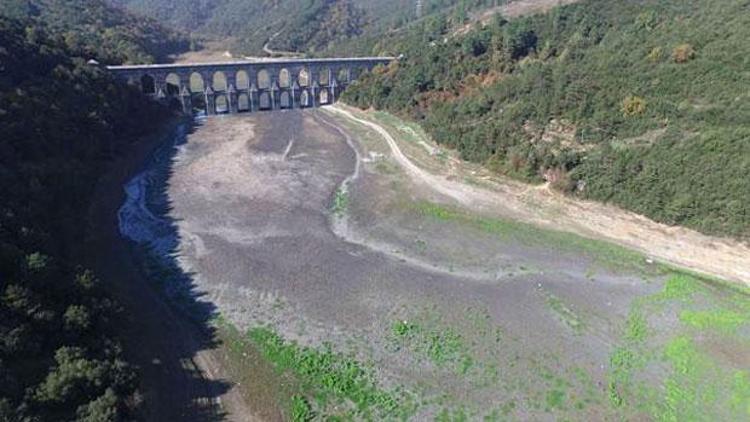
{"points": [[720, 257], [340, 223], [268, 50]]}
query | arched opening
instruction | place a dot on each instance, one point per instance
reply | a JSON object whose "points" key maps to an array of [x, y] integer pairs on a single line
{"points": [[264, 79], [304, 99], [196, 83], [324, 98], [243, 103], [325, 77], [222, 105], [304, 77], [265, 101], [343, 75], [199, 102], [285, 101], [219, 82], [148, 86], [173, 85], [242, 80], [285, 78]]}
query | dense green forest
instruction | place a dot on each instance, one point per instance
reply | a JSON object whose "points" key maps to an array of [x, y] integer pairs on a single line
{"points": [[61, 121], [318, 27], [643, 103], [94, 29]]}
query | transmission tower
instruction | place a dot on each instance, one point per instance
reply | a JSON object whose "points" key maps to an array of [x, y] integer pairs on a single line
{"points": [[419, 9]]}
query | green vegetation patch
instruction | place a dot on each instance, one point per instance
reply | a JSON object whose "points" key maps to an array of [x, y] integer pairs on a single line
{"points": [[722, 319], [637, 326], [331, 379], [680, 287], [340, 202], [566, 314], [440, 345], [603, 253], [623, 362], [698, 387], [740, 401], [699, 384]]}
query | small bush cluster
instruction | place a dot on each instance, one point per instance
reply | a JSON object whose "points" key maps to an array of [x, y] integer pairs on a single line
{"points": [[633, 106], [683, 53]]}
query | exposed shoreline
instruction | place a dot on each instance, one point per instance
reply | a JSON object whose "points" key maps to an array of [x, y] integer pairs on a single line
{"points": [[169, 351], [308, 225], [711, 256]]}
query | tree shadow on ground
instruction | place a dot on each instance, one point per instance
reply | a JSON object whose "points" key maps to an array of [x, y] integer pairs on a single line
{"points": [[169, 333]]}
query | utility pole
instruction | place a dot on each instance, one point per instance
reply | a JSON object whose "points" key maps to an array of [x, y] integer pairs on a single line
{"points": [[419, 9]]}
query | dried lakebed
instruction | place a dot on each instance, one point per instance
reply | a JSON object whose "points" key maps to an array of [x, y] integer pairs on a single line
{"points": [[374, 296]]}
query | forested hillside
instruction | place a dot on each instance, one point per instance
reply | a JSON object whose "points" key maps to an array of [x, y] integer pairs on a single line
{"points": [[320, 27], [643, 103], [61, 121], [94, 29]]}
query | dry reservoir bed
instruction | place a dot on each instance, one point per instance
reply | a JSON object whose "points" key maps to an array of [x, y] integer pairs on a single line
{"points": [[374, 295]]}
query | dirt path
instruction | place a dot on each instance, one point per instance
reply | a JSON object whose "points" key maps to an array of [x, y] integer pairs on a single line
{"points": [[182, 375], [720, 257], [511, 10], [267, 48], [518, 8]]}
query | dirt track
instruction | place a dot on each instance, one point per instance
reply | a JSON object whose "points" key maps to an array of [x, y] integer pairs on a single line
{"points": [[250, 202], [723, 258]]}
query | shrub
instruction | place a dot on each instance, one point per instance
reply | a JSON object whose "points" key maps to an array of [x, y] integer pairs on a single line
{"points": [[647, 20], [595, 54], [633, 106], [655, 54], [301, 410], [683, 53], [559, 179]]}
